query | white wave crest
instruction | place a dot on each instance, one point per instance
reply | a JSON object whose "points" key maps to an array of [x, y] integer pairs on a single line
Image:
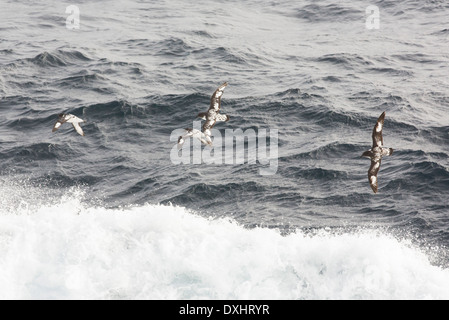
{"points": [[68, 250]]}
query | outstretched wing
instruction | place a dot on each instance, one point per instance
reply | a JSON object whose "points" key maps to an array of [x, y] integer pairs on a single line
{"points": [[57, 125], [78, 128], [372, 174], [70, 118], [377, 132], [215, 100]]}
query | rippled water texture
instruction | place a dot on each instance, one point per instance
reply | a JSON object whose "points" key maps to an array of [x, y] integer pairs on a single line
{"points": [[135, 71]]}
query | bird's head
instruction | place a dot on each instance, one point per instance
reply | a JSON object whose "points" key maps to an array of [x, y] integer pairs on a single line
{"points": [[202, 115], [366, 154], [180, 142]]}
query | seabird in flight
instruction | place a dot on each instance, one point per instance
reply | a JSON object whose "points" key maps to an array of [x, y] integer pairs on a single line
{"points": [[211, 116], [376, 152], [70, 118]]}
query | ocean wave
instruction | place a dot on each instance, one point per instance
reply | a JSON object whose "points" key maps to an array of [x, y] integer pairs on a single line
{"points": [[417, 57], [7, 51], [109, 110], [166, 107], [59, 58], [328, 151], [444, 32], [436, 135], [328, 12], [198, 57], [345, 60], [205, 193], [65, 249], [391, 71], [105, 66], [37, 151], [172, 47], [82, 79], [431, 176], [243, 58], [411, 7]]}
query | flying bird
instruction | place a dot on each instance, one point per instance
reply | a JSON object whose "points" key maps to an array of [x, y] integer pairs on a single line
{"points": [[212, 115], [376, 152], [205, 139], [70, 118]]}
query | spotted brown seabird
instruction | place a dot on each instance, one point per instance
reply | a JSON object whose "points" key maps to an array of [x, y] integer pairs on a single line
{"points": [[376, 152], [70, 118], [212, 115]]}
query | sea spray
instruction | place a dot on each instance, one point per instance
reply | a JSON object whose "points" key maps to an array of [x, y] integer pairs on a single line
{"points": [[69, 250]]}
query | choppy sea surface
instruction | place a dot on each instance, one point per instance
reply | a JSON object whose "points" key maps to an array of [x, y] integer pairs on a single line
{"points": [[114, 215]]}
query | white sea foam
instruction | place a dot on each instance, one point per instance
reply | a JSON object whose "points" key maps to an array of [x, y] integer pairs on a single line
{"points": [[67, 250]]}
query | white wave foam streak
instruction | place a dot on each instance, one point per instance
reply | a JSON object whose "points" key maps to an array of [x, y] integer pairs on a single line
{"points": [[68, 251]]}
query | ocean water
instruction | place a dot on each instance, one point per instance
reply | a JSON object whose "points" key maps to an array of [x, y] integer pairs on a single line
{"points": [[119, 214]]}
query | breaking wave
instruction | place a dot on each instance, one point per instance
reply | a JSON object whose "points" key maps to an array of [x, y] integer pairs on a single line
{"points": [[68, 249]]}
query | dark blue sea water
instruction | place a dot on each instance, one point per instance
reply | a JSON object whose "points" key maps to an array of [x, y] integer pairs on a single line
{"points": [[112, 215]]}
